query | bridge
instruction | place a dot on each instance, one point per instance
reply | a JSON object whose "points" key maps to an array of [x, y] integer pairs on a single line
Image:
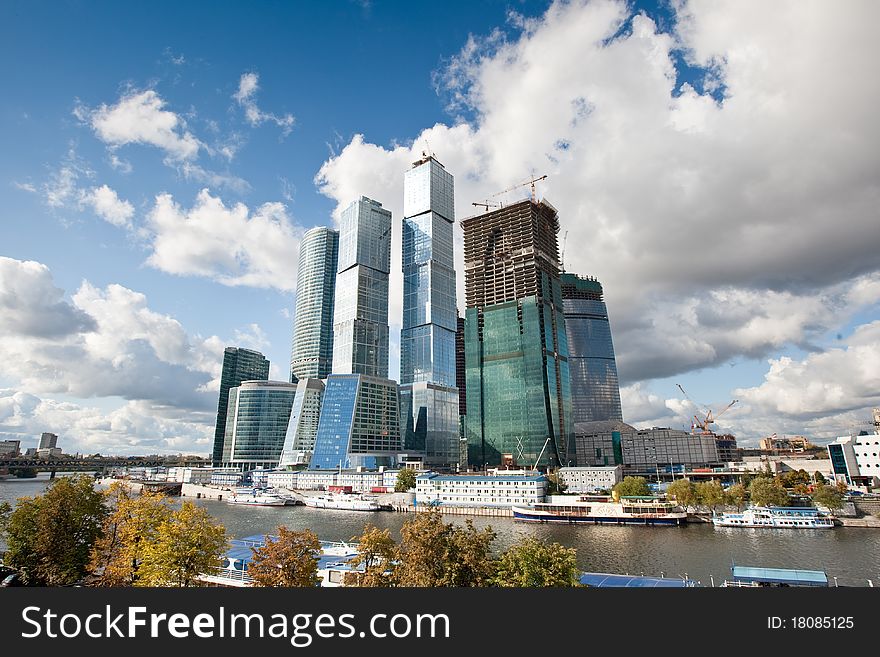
{"points": [[70, 464]]}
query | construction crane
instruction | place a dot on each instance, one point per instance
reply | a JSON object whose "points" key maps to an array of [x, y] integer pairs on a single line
{"points": [[486, 205], [709, 419], [518, 185], [562, 255]]}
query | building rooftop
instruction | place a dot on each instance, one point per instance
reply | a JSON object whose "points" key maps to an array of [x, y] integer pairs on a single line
{"points": [[779, 576], [608, 580]]}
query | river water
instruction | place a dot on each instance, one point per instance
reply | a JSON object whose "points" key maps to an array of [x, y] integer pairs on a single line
{"points": [[698, 551]]}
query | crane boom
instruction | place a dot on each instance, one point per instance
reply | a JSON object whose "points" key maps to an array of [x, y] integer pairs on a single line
{"points": [[518, 185]]}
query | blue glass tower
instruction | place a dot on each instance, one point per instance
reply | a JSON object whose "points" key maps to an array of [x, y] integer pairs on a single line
{"points": [[428, 396]]}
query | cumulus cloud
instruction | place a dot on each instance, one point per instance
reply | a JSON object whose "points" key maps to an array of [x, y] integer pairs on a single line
{"points": [[726, 216], [140, 117], [248, 85], [107, 205], [231, 245]]}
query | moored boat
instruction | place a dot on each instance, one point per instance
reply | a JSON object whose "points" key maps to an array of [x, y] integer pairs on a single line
{"points": [[602, 510], [342, 502], [255, 497], [776, 517]]}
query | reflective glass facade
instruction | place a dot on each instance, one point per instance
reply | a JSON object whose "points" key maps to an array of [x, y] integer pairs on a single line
{"points": [[359, 425], [360, 323], [595, 391], [259, 416], [238, 365], [303, 427], [311, 354], [429, 423]]}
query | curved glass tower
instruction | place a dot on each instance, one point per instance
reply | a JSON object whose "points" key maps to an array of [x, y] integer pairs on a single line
{"points": [[595, 390], [311, 355], [256, 424]]}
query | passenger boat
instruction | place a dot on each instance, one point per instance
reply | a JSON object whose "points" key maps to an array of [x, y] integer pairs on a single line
{"points": [[602, 510], [776, 517], [256, 497], [341, 501]]}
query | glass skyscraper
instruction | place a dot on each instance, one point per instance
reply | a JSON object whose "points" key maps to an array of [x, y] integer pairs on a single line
{"points": [[256, 425], [516, 352], [428, 396], [359, 424], [311, 354], [238, 365], [303, 428], [595, 390], [360, 322]]}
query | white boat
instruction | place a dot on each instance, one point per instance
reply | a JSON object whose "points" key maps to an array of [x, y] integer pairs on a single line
{"points": [[602, 510], [776, 517], [255, 497], [341, 501]]}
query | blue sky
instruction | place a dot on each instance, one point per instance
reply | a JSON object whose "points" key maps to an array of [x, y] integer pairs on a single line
{"points": [[711, 169]]}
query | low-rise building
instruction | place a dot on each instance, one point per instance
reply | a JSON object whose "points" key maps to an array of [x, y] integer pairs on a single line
{"points": [[188, 475], [856, 459], [48, 452], [226, 477], [10, 447], [492, 490], [590, 479]]}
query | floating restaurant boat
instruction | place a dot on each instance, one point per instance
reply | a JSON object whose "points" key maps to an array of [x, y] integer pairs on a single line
{"points": [[602, 510], [342, 502], [776, 517]]}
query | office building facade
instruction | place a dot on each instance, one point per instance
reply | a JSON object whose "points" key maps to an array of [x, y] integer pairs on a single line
{"points": [[359, 424], [360, 322], [311, 354], [256, 425], [855, 460], [516, 352], [428, 395], [48, 440], [238, 365], [595, 389], [299, 443]]}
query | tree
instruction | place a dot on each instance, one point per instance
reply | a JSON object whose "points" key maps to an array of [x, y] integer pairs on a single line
{"points": [[50, 536], [289, 560], [842, 488], [794, 478], [819, 478], [736, 495], [432, 553], [376, 551], [555, 484], [406, 480], [828, 496], [532, 562], [187, 544], [632, 487], [684, 492], [710, 494], [129, 529], [767, 492], [5, 512]]}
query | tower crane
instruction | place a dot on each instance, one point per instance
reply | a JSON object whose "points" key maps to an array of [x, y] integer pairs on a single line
{"points": [[562, 254], [518, 185], [709, 419]]}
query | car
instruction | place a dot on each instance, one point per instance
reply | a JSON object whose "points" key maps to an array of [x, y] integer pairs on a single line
{"points": [[13, 579]]}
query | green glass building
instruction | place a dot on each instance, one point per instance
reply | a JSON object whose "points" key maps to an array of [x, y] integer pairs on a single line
{"points": [[238, 365], [516, 352]]}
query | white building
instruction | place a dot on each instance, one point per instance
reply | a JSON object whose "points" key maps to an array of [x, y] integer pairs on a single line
{"points": [[500, 490], [856, 459], [588, 480], [191, 475], [225, 477]]}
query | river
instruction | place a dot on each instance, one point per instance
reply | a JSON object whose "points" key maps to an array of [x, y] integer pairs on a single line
{"points": [[699, 551]]}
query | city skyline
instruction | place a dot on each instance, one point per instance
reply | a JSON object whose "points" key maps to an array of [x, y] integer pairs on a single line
{"points": [[717, 181]]}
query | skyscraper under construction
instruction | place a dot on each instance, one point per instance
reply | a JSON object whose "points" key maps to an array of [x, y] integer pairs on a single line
{"points": [[516, 353]]}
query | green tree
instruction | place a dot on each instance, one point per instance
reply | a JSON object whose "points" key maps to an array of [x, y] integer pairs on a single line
{"points": [[631, 487], [406, 480], [5, 512], [555, 484], [710, 494], [532, 562], [187, 544], [289, 560], [50, 536], [764, 491], [684, 492], [819, 478], [794, 478], [736, 495], [828, 496], [376, 551], [132, 525], [432, 553]]}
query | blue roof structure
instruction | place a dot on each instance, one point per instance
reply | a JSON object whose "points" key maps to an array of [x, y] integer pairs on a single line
{"points": [[608, 580], [779, 576]]}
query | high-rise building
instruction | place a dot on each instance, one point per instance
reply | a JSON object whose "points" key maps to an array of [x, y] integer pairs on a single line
{"points": [[238, 365], [360, 321], [48, 440], [359, 425], [428, 396], [256, 425], [303, 428], [595, 390], [516, 353], [460, 371], [311, 354]]}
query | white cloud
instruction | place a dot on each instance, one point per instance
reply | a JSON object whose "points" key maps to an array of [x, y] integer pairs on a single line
{"points": [[248, 85], [232, 245], [252, 337], [107, 205], [139, 117], [25, 187], [718, 229]]}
